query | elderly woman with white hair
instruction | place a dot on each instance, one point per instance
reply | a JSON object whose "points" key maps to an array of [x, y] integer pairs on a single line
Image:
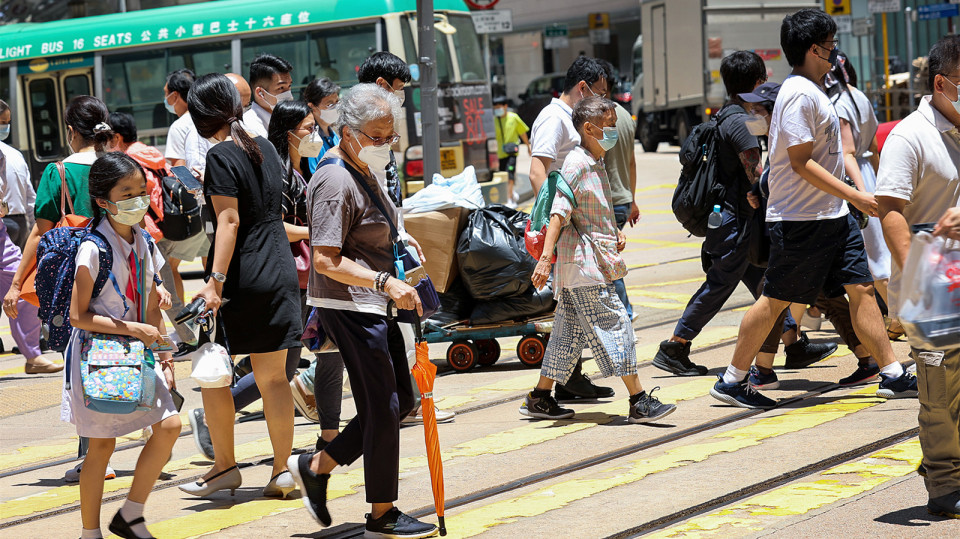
{"points": [[351, 284]]}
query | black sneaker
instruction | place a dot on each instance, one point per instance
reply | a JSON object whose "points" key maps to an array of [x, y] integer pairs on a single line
{"points": [[183, 349], [740, 394], [544, 408], [312, 485], [803, 353], [649, 409], [947, 505], [395, 524], [760, 380], [580, 386], [862, 375], [674, 358], [902, 387], [201, 434]]}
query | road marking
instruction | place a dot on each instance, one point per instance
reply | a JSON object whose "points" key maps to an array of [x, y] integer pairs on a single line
{"points": [[558, 495], [656, 187], [759, 512]]}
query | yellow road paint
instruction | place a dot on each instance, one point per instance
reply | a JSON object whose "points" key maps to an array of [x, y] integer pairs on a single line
{"points": [[13, 370], [24, 456], [659, 243], [557, 495], [677, 297], [759, 512], [644, 189], [651, 264], [667, 283]]}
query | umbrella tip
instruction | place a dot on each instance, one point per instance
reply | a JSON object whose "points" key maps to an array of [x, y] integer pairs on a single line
{"points": [[443, 526]]}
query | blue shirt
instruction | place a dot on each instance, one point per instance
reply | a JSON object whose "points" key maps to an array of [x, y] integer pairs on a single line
{"points": [[329, 141]]}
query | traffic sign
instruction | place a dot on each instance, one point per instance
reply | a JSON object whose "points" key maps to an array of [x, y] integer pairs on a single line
{"points": [[837, 7], [863, 27], [492, 21], [937, 11], [482, 4], [883, 6], [844, 23], [556, 36], [599, 24]]}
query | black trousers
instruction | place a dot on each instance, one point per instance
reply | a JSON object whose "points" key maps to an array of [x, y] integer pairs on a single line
{"points": [[374, 354]]}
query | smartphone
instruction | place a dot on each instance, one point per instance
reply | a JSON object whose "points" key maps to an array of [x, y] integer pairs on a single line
{"points": [[187, 178], [177, 399], [163, 345]]}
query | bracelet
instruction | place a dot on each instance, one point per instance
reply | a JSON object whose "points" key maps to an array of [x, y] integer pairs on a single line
{"points": [[380, 281]]}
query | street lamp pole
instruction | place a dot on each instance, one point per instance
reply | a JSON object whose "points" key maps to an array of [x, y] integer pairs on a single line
{"points": [[429, 117]]}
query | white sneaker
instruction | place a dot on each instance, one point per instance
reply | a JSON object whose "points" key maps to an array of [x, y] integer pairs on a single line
{"points": [[73, 474], [416, 418]]}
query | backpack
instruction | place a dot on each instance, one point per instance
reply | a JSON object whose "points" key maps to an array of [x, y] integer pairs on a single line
{"points": [[56, 272], [700, 186], [181, 209], [536, 231]]}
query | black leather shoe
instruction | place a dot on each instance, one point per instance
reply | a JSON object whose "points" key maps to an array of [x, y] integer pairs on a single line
{"points": [[803, 353], [121, 527], [674, 357], [580, 386]]}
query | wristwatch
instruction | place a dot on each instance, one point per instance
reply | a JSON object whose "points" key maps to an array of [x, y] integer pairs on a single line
{"points": [[219, 277]]}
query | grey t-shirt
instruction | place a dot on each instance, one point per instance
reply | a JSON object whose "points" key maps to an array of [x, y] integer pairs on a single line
{"points": [[617, 160], [343, 216]]}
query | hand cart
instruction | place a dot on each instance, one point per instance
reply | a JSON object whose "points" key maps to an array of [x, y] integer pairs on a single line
{"points": [[477, 345]]}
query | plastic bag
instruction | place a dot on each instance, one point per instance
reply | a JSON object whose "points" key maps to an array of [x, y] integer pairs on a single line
{"points": [[212, 366], [530, 303], [461, 190], [455, 305], [493, 260], [930, 293]]}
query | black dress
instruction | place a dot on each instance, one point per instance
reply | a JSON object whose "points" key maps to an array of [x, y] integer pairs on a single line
{"points": [[263, 314]]}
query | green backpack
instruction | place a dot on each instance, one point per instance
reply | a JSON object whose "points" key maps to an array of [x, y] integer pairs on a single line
{"points": [[536, 232]]}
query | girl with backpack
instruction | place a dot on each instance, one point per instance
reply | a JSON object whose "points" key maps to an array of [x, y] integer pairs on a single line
{"points": [[118, 199]]}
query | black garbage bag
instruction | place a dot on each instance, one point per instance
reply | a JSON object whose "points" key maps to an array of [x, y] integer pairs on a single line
{"points": [[455, 305], [530, 303], [493, 260]]}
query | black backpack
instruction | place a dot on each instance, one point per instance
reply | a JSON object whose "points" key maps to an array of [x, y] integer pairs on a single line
{"points": [[181, 209], [700, 186]]}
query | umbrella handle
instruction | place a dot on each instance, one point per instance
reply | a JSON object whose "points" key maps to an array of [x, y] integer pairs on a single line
{"points": [[417, 329]]}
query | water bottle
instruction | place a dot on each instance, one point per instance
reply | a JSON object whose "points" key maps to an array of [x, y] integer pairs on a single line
{"points": [[716, 218]]}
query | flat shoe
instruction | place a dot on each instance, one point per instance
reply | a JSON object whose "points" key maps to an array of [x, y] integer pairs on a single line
{"points": [[122, 528], [47, 367]]}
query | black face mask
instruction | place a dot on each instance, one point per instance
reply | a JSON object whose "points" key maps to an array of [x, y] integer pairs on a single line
{"points": [[832, 57]]}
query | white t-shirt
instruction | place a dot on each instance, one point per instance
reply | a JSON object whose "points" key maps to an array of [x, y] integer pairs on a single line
{"points": [[18, 192], [256, 120], [919, 164], [803, 113], [854, 107], [180, 129], [553, 135]]}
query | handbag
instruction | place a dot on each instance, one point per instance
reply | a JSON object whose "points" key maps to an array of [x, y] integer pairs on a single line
{"points": [[28, 291], [315, 339], [117, 373], [301, 257], [511, 148]]}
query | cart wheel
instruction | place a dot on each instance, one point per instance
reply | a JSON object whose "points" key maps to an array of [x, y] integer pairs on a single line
{"points": [[489, 351], [531, 349], [462, 355]]}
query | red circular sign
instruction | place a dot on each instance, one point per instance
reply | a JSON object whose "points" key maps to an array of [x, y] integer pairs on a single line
{"points": [[481, 4]]}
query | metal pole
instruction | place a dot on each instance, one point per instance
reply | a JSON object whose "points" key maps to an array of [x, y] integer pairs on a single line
{"points": [[908, 17], [486, 57], [886, 67], [863, 73], [429, 116]]}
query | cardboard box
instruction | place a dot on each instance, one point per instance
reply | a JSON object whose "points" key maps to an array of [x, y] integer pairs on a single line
{"points": [[437, 232]]}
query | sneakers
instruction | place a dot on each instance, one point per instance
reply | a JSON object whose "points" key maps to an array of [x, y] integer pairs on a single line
{"points": [[902, 387], [803, 354], [674, 357], [185, 348], [740, 394], [416, 416], [862, 375], [762, 381], [201, 434], [649, 408], [73, 474], [544, 408], [395, 524], [312, 485], [947, 505], [579, 385], [304, 401]]}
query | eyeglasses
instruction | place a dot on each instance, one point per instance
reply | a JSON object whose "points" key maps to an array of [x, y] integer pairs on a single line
{"points": [[380, 141], [833, 42]]}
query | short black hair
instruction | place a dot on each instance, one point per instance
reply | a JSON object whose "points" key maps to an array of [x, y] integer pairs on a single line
{"points": [[383, 64], [802, 30], [944, 58], [609, 73], [265, 66], [318, 89], [590, 109], [124, 125], [584, 69], [501, 100], [105, 173], [180, 81], [740, 71]]}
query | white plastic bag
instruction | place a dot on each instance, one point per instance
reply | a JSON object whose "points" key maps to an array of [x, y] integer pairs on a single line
{"points": [[930, 293], [212, 366], [461, 190]]}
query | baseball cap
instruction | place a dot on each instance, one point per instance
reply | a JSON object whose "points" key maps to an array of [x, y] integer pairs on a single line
{"points": [[765, 92]]}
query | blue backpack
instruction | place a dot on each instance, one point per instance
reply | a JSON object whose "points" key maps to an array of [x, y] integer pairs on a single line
{"points": [[56, 272]]}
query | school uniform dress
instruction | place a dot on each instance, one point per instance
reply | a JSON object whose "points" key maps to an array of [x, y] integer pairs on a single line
{"points": [[92, 424]]}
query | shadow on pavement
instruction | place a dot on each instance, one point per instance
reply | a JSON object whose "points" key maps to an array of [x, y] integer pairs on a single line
{"points": [[910, 516]]}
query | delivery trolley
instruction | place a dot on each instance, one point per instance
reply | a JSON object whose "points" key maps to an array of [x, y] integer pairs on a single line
{"points": [[477, 345]]}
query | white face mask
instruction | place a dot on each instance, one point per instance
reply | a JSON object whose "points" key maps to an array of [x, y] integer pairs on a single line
{"points": [[282, 96], [131, 211], [376, 157], [956, 104], [4, 131], [757, 125], [401, 95], [310, 145], [329, 116]]}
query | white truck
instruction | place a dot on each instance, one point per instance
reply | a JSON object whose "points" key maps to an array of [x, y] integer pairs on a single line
{"points": [[681, 45]]}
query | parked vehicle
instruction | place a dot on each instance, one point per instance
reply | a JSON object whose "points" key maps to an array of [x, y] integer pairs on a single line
{"points": [[538, 95]]}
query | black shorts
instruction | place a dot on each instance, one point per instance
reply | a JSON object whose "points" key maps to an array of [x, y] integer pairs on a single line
{"points": [[809, 256], [509, 165]]}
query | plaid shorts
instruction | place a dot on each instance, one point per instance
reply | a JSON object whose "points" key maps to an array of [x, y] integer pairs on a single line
{"points": [[590, 316]]}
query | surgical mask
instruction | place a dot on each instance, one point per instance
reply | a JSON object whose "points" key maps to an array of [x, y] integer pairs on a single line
{"points": [[376, 157], [168, 106], [4, 131], [609, 140], [956, 104], [757, 125], [832, 57], [329, 116], [401, 95], [282, 96], [310, 145], [499, 112], [131, 211]]}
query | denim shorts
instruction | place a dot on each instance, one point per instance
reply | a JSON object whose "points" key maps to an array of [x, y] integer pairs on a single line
{"points": [[809, 256]]}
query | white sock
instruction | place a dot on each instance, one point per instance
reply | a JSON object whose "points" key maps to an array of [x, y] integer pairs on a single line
{"points": [[733, 375], [132, 511], [894, 369], [90, 534]]}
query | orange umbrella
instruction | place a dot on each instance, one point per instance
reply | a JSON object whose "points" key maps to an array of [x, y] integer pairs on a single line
{"points": [[425, 372]]}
